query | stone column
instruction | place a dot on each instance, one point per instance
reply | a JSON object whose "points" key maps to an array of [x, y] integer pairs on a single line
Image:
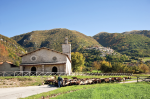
{"points": [[42, 68], [65, 68], [21, 68]]}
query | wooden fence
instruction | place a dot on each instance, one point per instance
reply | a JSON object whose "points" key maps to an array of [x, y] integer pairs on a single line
{"points": [[143, 78], [30, 73], [101, 74]]}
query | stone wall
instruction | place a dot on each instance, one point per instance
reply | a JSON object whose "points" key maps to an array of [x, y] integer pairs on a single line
{"points": [[47, 68], [66, 48], [43, 55], [7, 67]]}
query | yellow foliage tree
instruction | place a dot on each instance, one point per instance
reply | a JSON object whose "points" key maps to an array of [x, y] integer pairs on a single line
{"points": [[144, 68], [77, 61], [97, 65], [106, 66]]}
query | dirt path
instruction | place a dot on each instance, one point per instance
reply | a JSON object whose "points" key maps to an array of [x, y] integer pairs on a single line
{"points": [[21, 92], [131, 81]]}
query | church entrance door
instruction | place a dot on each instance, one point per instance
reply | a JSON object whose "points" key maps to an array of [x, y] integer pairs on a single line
{"points": [[33, 70], [54, 69]]}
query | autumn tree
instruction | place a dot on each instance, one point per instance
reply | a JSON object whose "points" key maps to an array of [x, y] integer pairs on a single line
{"points": [[144, 68], [77, 61], [97, 65], [117, 67], [106, 66], [3, 52]]}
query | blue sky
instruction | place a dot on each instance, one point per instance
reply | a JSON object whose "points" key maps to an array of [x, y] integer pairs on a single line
{"points": [[86, 16]]}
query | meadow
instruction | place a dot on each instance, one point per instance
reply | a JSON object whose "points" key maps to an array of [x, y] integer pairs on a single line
{"points": [[111, 91], [146, 58], [20, 81], [93, 71], [99, 91], [94, 91]]}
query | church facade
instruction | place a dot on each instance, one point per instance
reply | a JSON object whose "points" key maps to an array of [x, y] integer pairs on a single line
{"points": [[48, 60]]}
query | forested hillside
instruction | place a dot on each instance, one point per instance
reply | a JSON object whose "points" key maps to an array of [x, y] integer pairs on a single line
{"points": [[53, 39], [10, 50], [133, 43], [142, 32]]}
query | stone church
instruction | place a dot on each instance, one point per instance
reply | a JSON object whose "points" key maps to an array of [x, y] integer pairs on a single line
{"points": [[48, 60]]}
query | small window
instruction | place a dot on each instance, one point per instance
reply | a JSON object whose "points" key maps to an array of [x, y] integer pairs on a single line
{"points": [[33, 58], [54, 58]]}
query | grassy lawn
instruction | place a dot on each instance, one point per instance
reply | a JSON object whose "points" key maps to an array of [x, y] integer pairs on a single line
{"points": [[111, 91], [146, 58], [94, 71], [145, 75], [7, 82], [82, 77], [100, 91]]}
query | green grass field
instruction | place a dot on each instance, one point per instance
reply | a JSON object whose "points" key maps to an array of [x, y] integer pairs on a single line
{"points": [[99, 91], [94, 71], [146, 58], [111, 91]]}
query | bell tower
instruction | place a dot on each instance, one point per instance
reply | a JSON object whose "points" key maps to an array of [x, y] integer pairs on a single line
{"points": [[66, 48]]}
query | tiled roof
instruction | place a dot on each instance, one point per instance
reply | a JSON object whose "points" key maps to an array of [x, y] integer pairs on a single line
{"points": [[7, 62], [1, 63]]}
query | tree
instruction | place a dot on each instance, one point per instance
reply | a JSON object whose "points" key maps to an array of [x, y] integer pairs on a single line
{"points": [[117, 67], [105, 66], [17, 63], [3, 52], [144, 68], [97, 65], [77, 61]]}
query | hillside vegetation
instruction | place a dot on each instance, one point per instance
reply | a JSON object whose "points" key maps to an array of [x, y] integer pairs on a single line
{"points": [[10, 50], [142, 32], [53, 39], [133, 44]]}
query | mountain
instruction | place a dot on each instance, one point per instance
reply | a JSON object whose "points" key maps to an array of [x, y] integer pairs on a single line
{"points": [[53, 39], [10, 50], [134, 43], [140, 32]]}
